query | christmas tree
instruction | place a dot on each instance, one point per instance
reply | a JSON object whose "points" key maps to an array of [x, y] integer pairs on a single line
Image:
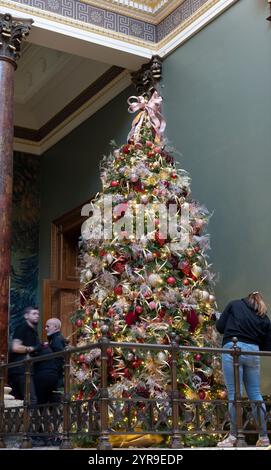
{"points": [[145, 272]]}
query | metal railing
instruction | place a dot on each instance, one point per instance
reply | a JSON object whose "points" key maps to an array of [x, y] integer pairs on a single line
{"points": [[103, 415]]}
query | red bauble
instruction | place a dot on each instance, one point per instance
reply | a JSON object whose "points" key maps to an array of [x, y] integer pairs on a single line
{"points": [[160, 239], [118, 290], [194, 277], [127, 373], [94, 324], [202, 394], [162, 313], [174, 176], [186, 282], [139, 309], [149, 144], [126, 149], [151, 154], [114, 184], [171, 280], [82, 358], [110, 312], [185, 268], [79, 323], [130, 318], [197, 249], [197, 357], [192, 319], [119, 267], [157, 149]]}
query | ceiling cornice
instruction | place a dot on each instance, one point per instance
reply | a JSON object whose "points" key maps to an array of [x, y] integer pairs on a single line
{"points": [[87, 103]]}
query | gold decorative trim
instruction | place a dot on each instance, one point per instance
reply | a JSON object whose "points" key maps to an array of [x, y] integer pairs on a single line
{"points": [[149, 17], [203, 9], [152, 47], [77, 24]]}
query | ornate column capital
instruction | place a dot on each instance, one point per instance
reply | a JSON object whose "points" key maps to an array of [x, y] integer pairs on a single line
{"points": [[147, 77], [12, 32]]}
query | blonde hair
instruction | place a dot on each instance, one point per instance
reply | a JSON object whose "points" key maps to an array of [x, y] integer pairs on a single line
{"points": [[256, 301]]}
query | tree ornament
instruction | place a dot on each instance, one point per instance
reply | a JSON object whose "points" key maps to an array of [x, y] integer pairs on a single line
{"points": [[197, 357], [204, 295], [130, 356], [88, 275], [133, 177], [211, 299], [79, 323], [118, 289], [82, 358], [154, 280], [222, 394], [138, 309], [144, 198], [171, 281], [161, 357], [114, 184], [202, 394], [109, 258], [96, 316], [196, 270]]}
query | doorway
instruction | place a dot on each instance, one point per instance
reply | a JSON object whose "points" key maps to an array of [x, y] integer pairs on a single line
{"points": [[61, 292]]}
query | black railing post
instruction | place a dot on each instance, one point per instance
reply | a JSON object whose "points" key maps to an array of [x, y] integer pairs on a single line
{"points": [[237, 395], [26, 442], [2, 403], [176, 442], [66, 441], [103, 441]]}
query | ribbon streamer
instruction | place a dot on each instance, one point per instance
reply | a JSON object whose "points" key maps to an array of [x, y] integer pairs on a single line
{"points": [[151, 109]]}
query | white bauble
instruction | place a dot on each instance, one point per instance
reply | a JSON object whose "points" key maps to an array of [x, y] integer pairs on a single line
{"points": [[161, 356], [196, 270], [88, 275], [154, 280]]}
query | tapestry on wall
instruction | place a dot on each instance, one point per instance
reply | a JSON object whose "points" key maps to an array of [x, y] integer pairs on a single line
{"points": [[25, 236]]}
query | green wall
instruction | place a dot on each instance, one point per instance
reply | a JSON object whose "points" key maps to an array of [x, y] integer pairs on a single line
{"points": [[70, 169], [217, 90]]}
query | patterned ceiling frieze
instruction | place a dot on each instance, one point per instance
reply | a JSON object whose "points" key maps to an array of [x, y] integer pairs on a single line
{"points": [[108, 22]]}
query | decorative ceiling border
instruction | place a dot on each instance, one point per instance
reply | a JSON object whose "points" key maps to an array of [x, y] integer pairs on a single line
{"points": [[131, 30]]}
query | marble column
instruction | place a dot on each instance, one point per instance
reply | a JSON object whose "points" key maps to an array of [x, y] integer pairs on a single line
{"points": [[12, 32]]}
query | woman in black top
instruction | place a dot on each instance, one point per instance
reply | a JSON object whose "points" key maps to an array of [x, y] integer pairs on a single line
{"points": [[247, 320]]}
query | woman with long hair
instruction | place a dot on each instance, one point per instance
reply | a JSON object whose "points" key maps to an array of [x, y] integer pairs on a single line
{"points": [[247, 320]]}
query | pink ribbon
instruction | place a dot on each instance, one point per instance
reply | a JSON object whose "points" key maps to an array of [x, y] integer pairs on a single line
{"points": [[152, 108]]}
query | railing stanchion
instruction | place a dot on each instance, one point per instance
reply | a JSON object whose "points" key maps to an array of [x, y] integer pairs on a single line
{"points": [[176, 442], [26, 442], [66, 441], [103, 440]]}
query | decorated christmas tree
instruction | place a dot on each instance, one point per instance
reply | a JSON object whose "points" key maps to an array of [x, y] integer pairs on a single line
{"points": [[145, 271]]}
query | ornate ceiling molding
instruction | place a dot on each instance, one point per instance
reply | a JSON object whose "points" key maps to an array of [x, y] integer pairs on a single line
{"points": [[85, 16]]}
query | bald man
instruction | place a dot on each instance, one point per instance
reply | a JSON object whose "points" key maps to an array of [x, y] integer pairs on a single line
{"points": [[57, 342]]}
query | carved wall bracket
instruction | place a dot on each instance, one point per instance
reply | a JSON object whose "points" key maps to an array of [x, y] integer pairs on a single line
{"points": [[12, 32], [146, 79]]}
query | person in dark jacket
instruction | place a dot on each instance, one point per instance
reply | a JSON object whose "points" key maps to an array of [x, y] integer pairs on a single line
{"points": [[45, 376], [247, 320], [56, 342]]}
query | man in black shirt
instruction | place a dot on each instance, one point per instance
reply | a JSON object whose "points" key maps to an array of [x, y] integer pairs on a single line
{"points": [[25, 341]]}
